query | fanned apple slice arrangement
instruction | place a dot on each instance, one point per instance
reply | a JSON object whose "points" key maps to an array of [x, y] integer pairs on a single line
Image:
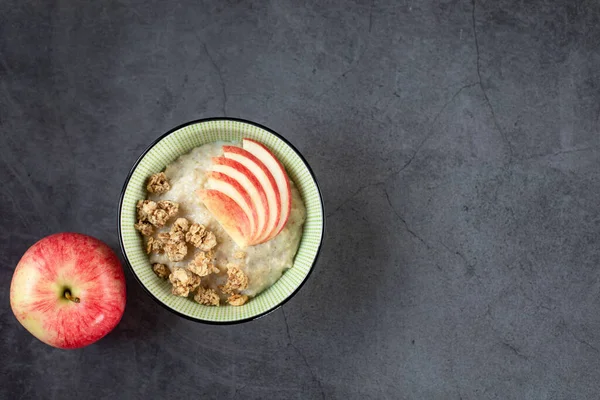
{"points": [[248, 192]]}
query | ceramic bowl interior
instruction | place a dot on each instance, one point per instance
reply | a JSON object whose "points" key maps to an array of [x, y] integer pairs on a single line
{"points": [[180, 141]]}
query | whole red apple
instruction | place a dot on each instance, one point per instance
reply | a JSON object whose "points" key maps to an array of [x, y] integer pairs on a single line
{"points": [[68, 290]]}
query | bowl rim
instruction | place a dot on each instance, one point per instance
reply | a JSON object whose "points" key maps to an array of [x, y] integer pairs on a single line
{"points": [[120, 210]]}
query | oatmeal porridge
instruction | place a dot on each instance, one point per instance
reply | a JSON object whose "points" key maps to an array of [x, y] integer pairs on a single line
{"points": [[195, 251]]}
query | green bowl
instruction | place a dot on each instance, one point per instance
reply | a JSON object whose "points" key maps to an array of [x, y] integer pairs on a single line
{"points": [[181, 140]]}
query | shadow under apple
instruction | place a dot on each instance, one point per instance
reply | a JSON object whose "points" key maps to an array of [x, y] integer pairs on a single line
{"points": [[143, 318]]}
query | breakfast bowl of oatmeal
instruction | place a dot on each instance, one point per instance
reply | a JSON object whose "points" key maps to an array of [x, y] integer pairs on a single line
{"points": [[221, 220]]}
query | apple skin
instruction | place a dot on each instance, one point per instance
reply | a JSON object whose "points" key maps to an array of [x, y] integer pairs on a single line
{"points": [[233, 189], [266, 180], [277, 169], [254, 188], [92, 274], [229, 214]]}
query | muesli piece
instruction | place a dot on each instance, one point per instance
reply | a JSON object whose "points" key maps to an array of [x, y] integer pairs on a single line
{"points": [[236, 280], [144, 208], [171, 207], [208, 297], [195, 234], [158, 183], [156, 213], [175, 247], [209, 242], [202, 264], [154, 245], [158, 218], [237, 299], [184, 281], [161, 270], [164, 237], [180, 225], [145, 228], [201, 238]]}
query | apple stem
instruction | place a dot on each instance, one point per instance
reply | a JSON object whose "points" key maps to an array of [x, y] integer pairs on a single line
{"points": [[69, 296]]}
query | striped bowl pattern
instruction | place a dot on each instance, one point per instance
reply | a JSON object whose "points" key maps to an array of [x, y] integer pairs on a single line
{"points": [[180, 141]]}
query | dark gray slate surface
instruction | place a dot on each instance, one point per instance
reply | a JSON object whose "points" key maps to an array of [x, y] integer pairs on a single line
{"points": [[457, 147]]}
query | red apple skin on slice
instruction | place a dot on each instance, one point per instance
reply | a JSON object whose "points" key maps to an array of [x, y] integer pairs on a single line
{"points": [[267, 181], [278, 171], [229, 214], [232, 188], [247, 179]]}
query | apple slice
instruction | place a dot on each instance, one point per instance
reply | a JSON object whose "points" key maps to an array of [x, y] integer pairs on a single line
{"points": [[265, 155], [232, 188], [250, 183], [267, 182], [229, 214]]}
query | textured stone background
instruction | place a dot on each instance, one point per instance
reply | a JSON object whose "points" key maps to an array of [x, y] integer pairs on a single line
{"points": [[457, 147]]}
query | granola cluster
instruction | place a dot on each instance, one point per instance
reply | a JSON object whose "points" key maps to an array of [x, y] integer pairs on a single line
{"points": [[236, 280], [161, 270], [199, 237], [180, 225], [184, 281], [188, 280], [208, 297], [154, 245], [174, 245], [237, 299], [153, 214], [158, 183], [203, 264], [153, 218]]}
